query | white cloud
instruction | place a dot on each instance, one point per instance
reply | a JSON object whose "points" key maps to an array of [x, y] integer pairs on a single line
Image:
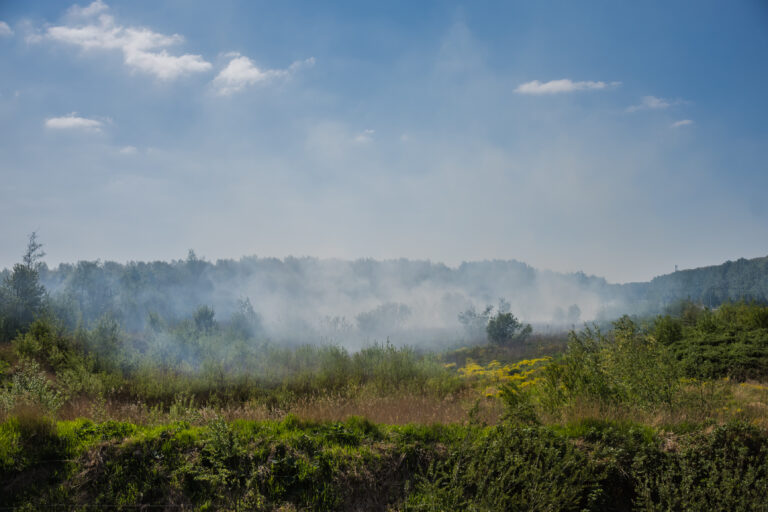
{"points": [[141, 47], [5, 30], [90, 10], [682, 122], [128, 150], [365, 136], [654, 103], [73, 122], [650, 103], [165, 66], [242, 72], [561, 86]]}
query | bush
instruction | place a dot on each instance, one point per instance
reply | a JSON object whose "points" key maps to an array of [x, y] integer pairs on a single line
{"points": [[625, 367], [729, 342], [30, 386], [509, 468], [726, 470]]}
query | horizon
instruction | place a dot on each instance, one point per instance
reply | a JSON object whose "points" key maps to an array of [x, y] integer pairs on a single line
{"points": [[453, 266], [616, 142]]}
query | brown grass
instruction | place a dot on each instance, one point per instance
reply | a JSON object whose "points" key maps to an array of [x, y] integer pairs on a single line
{"points": [[719, 402], [396, 410]]}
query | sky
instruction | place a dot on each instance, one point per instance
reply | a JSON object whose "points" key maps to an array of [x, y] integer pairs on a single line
{"points": [[615, 138]]}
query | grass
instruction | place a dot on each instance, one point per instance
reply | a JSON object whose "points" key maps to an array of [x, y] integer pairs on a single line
{"points": [[616, 420], [398, 409]]}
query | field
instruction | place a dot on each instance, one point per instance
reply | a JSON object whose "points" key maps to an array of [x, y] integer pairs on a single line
{"points": [[665, 413]]}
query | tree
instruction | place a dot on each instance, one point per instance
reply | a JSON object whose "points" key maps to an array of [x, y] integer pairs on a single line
{"points": [[504, 328], [204, 319], [22, 297], [501, 328], [34, 253], [245, 323]]}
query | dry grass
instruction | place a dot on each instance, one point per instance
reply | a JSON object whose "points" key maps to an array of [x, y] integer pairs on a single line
{"points": [[717, 401], [396, 410], [400, 409]]}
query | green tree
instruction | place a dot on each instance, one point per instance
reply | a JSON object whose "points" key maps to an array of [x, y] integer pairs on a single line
{"points": [[22, 297], [504, 328]]}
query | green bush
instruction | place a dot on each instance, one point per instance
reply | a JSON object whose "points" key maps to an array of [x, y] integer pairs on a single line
{"points": [[627, 366], [509, 468], [30, 386], [731, 341], [726, 470], [355, 465]]}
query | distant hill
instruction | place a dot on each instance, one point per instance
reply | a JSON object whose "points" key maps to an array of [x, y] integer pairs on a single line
{"points": [[731, 281]]}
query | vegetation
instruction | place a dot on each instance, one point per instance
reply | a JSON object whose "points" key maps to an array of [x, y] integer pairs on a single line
{"points": [[355, 465], [501, 328], [199, 413], [730, 341], [22, 297], [733, 280]]}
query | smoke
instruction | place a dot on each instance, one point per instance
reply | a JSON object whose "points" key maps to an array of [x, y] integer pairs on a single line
{"points": [[352, 303]]}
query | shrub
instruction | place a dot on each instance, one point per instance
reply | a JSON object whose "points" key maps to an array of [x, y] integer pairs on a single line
{"points": [[509, 468], [627, 366], [30, 386], [726, 470]]}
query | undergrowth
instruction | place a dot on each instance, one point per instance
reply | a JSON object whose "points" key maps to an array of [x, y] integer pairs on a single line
{"points": [[358, 465]]}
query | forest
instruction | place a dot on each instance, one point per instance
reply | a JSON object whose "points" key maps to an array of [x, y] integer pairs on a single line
{"points": [[295, 300], [186, 410]]}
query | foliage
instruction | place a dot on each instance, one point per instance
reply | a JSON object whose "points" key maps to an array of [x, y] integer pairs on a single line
{"points": [[30, 386], [355, 465], [726, 470], [625, 366], [712, 286], [502, 328], [731, 341], [194, 369], [22, 297]]}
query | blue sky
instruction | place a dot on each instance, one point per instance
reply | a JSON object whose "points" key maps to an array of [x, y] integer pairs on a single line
{"points": [[617, 138]]}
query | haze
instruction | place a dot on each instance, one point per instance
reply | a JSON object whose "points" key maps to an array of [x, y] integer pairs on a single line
{"points": [[618, 141]]}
